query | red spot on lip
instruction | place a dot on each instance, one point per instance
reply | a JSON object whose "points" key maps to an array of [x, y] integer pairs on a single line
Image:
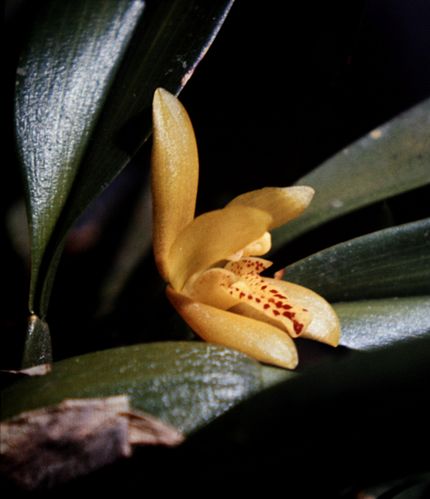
{"points": [[241, 295], [249, 297], [258, 300], [281, 296], [264, 287], [279, 304], [266, 306], [275, 312], [289, 315], [287, 307], [298, 326], [273, 291]]}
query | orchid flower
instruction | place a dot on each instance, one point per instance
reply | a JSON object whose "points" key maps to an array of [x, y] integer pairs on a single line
{"points": [[212, 262]]}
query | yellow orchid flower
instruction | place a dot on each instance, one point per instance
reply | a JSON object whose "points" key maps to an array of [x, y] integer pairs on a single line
{"points": [[212, 262]]}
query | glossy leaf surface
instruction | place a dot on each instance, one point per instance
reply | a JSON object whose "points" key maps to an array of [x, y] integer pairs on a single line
{"points": [[75, 66], [369, 413], [168, 44], [369, 324], [391, 159], [391, 262], [62, 82], [185, 384]]}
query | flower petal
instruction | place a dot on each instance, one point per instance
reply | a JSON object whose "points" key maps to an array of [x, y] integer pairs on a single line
{"points": [[259, 247], [325, 325], [175, 172], [259, 340], [283, 203], [212, 288], [212, 237]]}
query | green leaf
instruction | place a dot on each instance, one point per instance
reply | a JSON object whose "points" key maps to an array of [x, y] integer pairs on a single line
{"points": [[184, 383], [167, 48], [390, 160], [310, 435], [172, 41], [370, 324], [83, 103], [62, 82], [390, 262]]}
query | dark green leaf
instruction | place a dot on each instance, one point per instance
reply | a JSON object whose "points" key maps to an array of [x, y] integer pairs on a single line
{"points": [[413, 490], [390, 160], [374, 323], [184, 383], [172, 40], [390, 262], [167, 46], [410, 487], [62, 81], [73, 68], [342, 425]]}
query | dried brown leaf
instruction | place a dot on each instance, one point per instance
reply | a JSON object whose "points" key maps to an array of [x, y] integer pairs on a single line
{"points": [[48, 446]]}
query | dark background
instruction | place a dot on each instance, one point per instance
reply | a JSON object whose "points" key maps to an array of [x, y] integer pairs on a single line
{"points": [[284, 86], [288, 84]]}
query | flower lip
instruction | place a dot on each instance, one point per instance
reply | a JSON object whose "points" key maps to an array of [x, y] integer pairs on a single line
{"points": [[262, 341]]}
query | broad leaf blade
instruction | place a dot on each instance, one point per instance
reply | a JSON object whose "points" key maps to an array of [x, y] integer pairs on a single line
{"points": [[168, 42], [390, 160], [62, 82], [185, 383], [390, 262], [369, 324], [165, 51], [369, 412]]}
